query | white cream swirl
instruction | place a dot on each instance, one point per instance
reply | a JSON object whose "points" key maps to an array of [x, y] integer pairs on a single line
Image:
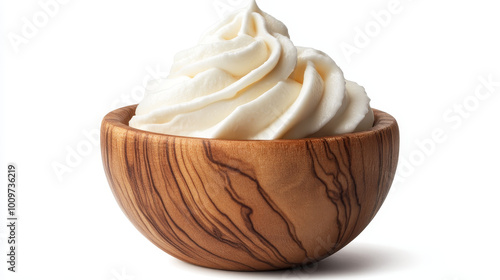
{"points": [[246, 80]]}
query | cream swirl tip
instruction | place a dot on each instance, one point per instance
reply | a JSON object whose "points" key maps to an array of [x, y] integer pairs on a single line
{"points": [[246, 80]]}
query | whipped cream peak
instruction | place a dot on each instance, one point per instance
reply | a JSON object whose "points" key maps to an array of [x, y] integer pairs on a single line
{"points": [[247, 80]]}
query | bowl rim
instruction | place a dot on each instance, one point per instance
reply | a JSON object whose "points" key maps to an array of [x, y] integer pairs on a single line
{"points": [[119, 118]]}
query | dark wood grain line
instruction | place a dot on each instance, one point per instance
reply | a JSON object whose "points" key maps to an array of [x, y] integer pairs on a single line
{"points": [[123, 192], [250, 226], [178, 244], [171, 163], [334, 195], [184, 248], [354, 187], [242, 243], [139, 193], [290, 227], [198, 221]]}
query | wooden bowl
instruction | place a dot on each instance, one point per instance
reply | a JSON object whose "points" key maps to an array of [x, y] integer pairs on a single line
{"points": [[249, 205]]}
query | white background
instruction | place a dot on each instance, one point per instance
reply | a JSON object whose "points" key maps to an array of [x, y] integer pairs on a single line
{"points": [[440, 220]]}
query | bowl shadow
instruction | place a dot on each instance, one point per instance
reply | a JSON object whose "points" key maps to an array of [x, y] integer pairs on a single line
{"points": [[355, 259]]}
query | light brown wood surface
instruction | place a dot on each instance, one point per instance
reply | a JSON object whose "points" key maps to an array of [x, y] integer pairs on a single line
{"points": [[249, 205]]}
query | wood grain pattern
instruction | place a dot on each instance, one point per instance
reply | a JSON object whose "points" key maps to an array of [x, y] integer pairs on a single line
{"points": [[249, 205]]}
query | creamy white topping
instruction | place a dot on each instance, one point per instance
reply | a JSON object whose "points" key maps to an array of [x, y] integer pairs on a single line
{"points": [[246, 80]]}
